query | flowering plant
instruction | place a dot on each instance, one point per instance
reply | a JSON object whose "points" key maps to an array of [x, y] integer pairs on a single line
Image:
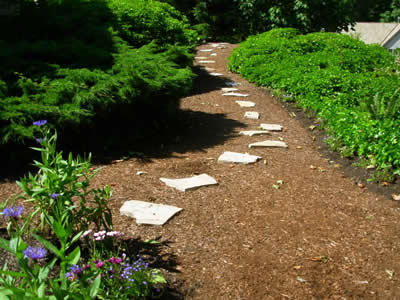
{"points": [[61, 188], [105, 275]]}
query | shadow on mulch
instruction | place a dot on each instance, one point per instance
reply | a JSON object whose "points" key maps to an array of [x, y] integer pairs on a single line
{"points": [[187, 131], [205, 83]]}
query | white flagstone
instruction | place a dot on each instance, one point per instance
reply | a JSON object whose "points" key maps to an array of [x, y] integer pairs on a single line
{"points": [[207, 61], [213, 54], [235, 94], [271, 127], [254, 132], [185, 184], [206, 50], [278, 144], [148, 213], [246, 103], [229, 89], [252, 115], [240, 158], [200, 57], [232, 83], [216, 74]]}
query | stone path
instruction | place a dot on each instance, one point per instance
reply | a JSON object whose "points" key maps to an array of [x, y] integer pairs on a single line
{"points": [[136, 208], [292, 225]]}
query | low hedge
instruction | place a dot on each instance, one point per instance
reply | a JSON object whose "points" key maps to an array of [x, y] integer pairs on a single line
{"points": [[350, 86], [73, 62]]}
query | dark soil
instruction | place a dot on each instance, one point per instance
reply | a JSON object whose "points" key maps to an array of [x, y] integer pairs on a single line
{"points": [[324, 234]]}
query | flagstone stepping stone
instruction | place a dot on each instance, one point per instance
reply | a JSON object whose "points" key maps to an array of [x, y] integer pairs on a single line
{"points": [[232, 83], [278, 144], [148, 213], [229, 89], [214, 45], [252, 115], [213, 54], [271, 127], [246, 103], [185, 184], [200, 57], [207, 61], [216, 74], [254, 132], [240, 158], [235, 94], [206, 50]]}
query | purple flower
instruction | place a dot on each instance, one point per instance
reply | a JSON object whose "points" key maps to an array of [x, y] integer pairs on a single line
{"points": [[13, 211], [76, 269], [40, 140], [100, 264], [144, 282], [54, 195], [34, 253], [39, 123], [115, 261]]}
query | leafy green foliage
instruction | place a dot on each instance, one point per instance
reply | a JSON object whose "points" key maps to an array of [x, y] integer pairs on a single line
{"points": [[235, 20], [351, 86], [57, 187], [74, 62]]}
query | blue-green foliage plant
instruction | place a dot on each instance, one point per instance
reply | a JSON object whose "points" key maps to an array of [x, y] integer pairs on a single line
{"points": [[352, 87], [76, 62]]}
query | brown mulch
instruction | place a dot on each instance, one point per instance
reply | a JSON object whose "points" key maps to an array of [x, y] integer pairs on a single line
{"points": [[318, 236]]}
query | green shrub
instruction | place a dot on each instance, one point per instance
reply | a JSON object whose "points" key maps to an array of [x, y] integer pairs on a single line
{"points": [[77, 62], [142, 21], [351, 86]]}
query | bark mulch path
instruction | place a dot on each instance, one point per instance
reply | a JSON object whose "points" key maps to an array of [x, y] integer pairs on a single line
{"points": [[318, 236]]}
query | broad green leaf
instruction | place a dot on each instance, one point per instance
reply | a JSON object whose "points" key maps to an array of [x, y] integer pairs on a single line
{"points": [[94, 289], [74, 256]]}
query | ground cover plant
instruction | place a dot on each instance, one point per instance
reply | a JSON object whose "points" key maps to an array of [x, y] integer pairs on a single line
{"points": [[351, 87], [58, 255], [78, 63]]}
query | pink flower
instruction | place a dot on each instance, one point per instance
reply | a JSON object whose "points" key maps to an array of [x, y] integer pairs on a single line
{"points": [[114, 233], [86, 233], [100, 264]]}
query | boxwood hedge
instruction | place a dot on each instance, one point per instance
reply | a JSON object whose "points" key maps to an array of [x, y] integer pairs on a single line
{"points": [[350, 86]]}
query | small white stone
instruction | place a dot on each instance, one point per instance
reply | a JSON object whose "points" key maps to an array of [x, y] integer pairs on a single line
{"points": [[140, 173], [245, 103], [208, 69], [254, 132], [206, 50], [189, 183], [147, 212], [200, 57], [234, 157], [214, 45], [232, 83], [271, 127], [207, 61], [213, 54], [252, 115], [216, 74], [235, 94], [278, 144], [229, 89]]}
